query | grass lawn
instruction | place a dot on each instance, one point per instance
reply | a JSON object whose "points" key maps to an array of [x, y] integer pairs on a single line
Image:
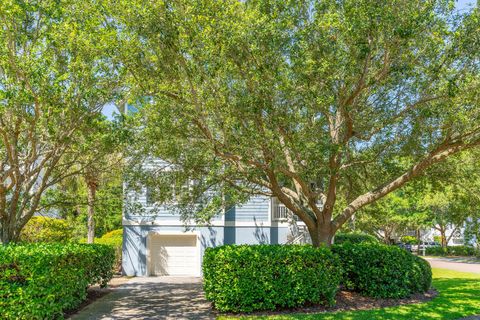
{"points": [[459, 297]]}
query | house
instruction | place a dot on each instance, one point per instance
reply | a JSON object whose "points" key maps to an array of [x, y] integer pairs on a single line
{"points": [[157, 242]]}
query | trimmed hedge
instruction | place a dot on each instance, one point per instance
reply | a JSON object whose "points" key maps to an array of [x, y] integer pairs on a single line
{"points": [[266, 277], [41, 281], [115, 239], [451, 251], [354, 238], [382, 271]]}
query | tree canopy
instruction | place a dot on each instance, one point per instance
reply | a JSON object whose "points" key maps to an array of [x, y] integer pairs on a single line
{"points": [[55, 77], [326, 105]]}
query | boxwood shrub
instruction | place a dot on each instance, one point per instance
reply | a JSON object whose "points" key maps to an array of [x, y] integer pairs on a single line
{"points": [[383, 271], [40, 281], [354, 237], [266, 277]]}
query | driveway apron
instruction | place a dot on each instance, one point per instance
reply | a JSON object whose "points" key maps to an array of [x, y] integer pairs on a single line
{"points": [[151, 298]]}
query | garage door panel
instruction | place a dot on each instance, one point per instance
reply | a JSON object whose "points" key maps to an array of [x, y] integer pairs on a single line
{"points": [[174, 255]]}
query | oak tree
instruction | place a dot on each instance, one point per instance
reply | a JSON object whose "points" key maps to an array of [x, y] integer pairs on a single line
{"points": [[55, 77], [326, 105]]}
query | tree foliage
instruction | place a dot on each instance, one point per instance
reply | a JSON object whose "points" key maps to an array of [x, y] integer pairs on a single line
{"points": [[55, 77], [69, 200], [396, 213], [327, 105]]}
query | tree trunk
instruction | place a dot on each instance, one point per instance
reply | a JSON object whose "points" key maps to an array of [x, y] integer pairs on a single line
{"points": [[386, 236], [92, 185], [5, 234], [322, 235], [443, 237], [7, 231], [419, 240]]}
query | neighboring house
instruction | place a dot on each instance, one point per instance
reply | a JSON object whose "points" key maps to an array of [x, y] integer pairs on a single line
{"points": [[456, 239], [156, 242]]}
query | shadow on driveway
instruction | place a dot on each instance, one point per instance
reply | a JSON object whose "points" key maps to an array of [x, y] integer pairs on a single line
{"points": [[152, 298]]}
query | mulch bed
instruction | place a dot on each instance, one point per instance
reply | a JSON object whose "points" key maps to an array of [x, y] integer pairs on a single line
{"points": [[350, 301]]}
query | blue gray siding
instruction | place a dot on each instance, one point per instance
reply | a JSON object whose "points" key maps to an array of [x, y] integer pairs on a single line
{"points": [[134, 261], [255, 210]]}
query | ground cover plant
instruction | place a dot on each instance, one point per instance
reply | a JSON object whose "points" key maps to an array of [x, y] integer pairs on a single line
{"points": [[41, 281]]}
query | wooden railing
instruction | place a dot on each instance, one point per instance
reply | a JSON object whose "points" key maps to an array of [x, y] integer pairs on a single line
{"points": [[280, 212]]}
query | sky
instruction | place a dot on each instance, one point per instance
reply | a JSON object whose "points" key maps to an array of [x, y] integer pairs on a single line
{"points": [[464, 4], [109, 110]]}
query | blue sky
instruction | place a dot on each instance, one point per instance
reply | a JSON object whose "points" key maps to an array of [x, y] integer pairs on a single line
{"points": [[109, 110], [464, 4]]}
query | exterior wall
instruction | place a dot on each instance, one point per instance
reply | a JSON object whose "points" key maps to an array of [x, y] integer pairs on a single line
{"points": [[255, 210], [135, 250], [248, 223]]}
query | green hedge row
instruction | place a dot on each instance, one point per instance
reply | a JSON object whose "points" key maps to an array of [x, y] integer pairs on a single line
{"points": [[41, 281], [354, 237], [266, 277], [382, 271], [451, 251], [114, 239]]}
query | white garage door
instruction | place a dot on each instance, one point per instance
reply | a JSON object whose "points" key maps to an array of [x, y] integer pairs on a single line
{"points": [[174, 255]]}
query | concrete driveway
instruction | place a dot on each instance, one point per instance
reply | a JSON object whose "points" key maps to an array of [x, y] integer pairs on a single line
{"points": [[457, 264], [151, 298]]}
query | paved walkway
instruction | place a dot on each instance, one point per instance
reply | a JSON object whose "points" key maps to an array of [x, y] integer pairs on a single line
{"points": [[457, 264], [151, 298]]}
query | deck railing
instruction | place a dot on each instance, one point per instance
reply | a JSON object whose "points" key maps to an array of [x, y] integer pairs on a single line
{"points": [[281, 213]]}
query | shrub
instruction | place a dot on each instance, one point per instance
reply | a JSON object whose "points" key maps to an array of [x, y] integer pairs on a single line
{"points": [[266, 277], [436, 251], [461, 251], [44, 229], [451, 251], [115, 239], [40, 281], [354, 238], [382, 271], [409, 240]]}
